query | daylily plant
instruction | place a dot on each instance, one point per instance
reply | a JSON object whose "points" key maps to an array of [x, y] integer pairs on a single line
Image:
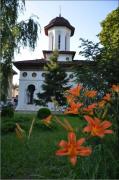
{"points": [[94, 114], [95, 127]]}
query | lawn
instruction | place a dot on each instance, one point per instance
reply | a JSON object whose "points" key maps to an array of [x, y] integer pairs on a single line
{"points": [[36, 159]]}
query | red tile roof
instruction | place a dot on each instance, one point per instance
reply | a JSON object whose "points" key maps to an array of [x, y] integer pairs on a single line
{"points": [[59, 21], [38, 64]]}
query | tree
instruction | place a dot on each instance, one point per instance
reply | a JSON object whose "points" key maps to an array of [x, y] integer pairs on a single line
{"points": [[55, 83], [91, 73], [103, 70], [89, 50], [13, 36], [109, 36]]}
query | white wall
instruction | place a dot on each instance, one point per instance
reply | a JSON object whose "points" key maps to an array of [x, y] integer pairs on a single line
{"points": [[24, 82], [37, 81], [55, 32]]}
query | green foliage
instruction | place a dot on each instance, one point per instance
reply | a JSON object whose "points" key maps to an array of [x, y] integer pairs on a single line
{"points": [[104, 70], [37, 159], [109, 36], [98, 72], [55, 83], [43, 113], [8, 124], [7, 127], [89, 50], [7, 111], [14, 35]]}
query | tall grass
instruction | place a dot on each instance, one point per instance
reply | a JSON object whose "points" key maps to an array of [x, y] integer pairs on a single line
{"points": [[35, 159]]}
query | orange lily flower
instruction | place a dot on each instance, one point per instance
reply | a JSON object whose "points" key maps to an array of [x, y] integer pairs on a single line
{"points": [[115, 88], [91, 94], [96, 127], [73, 109], [47, 120], [70, 98], [101, 104], [90, 108], [107, 97], [73, 148], [76, 90]]}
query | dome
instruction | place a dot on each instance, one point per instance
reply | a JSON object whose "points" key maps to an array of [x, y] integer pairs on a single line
{"points": [[59, 21]]}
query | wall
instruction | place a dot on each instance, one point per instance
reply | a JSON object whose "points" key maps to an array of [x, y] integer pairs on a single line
{"points": [[37, 81]]}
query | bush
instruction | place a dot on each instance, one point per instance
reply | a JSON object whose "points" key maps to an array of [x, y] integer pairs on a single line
{"points": [[8, 127], [43, 113], [7, 111]]}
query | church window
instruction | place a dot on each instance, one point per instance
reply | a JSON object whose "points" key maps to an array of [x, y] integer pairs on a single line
{"points": [[43, 74], [65, 43], [71, 76], [67, 58], [52, 41], [59, 41], [30, 94], [34, 74], [24, 74]]}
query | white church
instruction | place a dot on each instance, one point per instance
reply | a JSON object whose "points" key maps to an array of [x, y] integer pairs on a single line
{"points": [[59, 32]]}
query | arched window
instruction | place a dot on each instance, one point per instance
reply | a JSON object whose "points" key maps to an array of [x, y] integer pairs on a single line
{"points": [[65, 43], [52, 41], [30, 93], [59, 41]]}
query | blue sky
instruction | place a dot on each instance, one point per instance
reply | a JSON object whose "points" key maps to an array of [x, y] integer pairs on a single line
{"points": [[85, 16]]}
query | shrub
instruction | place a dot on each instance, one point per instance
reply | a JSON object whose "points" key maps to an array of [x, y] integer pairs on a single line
{"points": [[7, 127], [7, 111], [43, 113]]}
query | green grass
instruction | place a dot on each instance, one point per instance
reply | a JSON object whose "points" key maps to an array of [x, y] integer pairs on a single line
{"points": [[36, 159]]}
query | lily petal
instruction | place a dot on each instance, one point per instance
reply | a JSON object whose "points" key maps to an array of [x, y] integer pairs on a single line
{"points": [[63, 143], [71, 138], [73, 160], [80, 141], [84, 151], [89, 119], [87, 129], [62, 152], [108, 131], [106, 124]]}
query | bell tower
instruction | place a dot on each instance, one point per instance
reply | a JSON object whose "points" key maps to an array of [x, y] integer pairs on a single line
{"points": [[59, 32]]}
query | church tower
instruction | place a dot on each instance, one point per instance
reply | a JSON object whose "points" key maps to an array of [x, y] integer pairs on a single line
{"points": [[32, 73], [59, 31]]}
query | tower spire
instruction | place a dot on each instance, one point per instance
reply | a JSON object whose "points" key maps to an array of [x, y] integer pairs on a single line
{"points": [[59, 11]]}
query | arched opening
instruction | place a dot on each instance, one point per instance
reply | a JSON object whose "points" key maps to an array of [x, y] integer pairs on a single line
{"points": [[65, 43], [52, 41], [30, 93]]}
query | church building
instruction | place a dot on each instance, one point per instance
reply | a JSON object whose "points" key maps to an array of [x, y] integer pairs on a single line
{"points": [[59, 32]]}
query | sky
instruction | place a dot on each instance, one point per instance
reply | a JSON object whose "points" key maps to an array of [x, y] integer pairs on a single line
{"points": [[85, 16]]}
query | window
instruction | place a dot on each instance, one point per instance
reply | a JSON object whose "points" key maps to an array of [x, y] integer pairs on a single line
{"points": [[65, 43], [71, 76], [67, 58], [34, 74], [24, 74], [52, 41], [59, 41], [30, 94], [43, 74]]}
